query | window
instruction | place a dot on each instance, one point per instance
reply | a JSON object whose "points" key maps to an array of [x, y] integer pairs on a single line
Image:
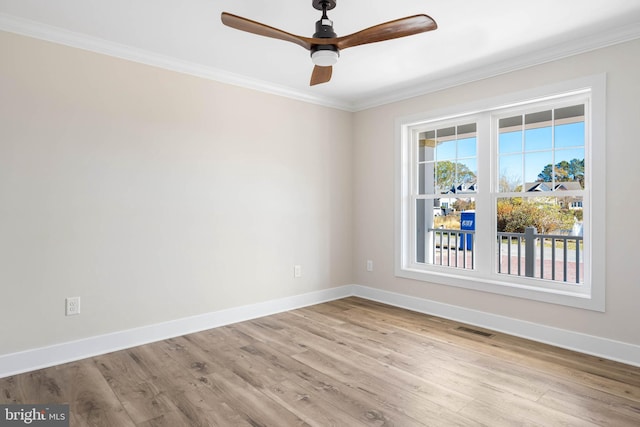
{"points": [[446, 181], [502, 196], [541, 174]]}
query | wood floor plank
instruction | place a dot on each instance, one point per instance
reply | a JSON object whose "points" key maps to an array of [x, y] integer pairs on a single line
{"points": [[232, 385], [433, 364], [350, 362], [388, 402], [376, 367], [91, 400], [310, 407], [140, 392], [598, 408], [507, 413], [606, 375], [255, 360]]}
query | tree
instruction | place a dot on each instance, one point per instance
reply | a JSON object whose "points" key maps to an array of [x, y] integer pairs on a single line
{"points": [[516, 214], [450, 174], [464, 204], [576, 170], [509, 183], [563, 171]]}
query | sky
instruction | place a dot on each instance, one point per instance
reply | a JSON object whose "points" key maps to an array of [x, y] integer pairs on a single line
{"points": [[526, 153]]}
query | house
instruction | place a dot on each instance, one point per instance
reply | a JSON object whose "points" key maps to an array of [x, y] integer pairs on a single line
{"points": [[548, 186], [572, 202], [446, 204], [170, 203]]}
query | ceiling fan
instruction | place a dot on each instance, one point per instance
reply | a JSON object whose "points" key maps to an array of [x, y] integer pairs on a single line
{"points": [[325, 45]]}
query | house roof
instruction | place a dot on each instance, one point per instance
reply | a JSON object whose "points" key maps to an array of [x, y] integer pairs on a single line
{"points": [[549, 186]]}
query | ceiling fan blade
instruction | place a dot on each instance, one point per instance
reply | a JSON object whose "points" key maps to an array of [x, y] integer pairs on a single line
{"points": [[244, 24], [386, 31], [320, 75]]}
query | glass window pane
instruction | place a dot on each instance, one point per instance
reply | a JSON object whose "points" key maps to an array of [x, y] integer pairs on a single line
{"points": [[559, 257], [538, 130], [446, 143], [467, 147], [446, 133], [467, 130], [510, 142], [447, 215], [569, 167], [572, 114], [536, 166], [569, 126], [426, 146], [569, 135], [452, 238], [510, 122], [421, 230], [467, 172], [445, 176], [426, 184], [538, 139], [575, 205], [446, 150], [549, 215], [511, 177], [538, 119]]}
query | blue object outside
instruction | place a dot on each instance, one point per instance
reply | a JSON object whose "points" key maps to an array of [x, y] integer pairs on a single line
{"points": [[467, 222]]}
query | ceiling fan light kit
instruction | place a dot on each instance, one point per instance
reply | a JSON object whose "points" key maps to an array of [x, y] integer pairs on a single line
{"points": [[325, 58], [325, 45]]}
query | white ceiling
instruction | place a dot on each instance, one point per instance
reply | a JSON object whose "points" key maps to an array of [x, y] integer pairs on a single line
{"points": [[475, 39]]}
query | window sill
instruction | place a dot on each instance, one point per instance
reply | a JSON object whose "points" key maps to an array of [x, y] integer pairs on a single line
{"points": [[582, 298]]}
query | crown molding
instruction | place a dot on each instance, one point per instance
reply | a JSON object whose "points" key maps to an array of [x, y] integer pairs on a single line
{"points": [[61, 36], [538, 56], [532, 58]]}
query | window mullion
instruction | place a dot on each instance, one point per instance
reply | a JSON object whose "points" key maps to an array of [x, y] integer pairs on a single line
{"points": [[485, 227]]}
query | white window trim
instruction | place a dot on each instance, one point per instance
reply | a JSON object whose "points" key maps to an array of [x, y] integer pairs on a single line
{"points": [[589, 297]]}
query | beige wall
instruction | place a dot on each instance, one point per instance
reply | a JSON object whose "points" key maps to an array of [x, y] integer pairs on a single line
{"points": [[155, 196], [374, 194]]}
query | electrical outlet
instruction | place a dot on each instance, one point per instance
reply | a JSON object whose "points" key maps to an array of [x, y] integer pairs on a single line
{"points": [[297, 271], [369, 265], [72, 306]]}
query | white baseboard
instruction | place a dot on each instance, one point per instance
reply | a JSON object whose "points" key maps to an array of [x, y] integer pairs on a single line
{"points": [[29, 360], [583, 343]]}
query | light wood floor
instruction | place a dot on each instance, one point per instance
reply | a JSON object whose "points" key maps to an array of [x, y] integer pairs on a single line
{"points": [[350, 362]]}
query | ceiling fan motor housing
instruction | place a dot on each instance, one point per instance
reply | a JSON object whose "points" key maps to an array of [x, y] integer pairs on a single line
{"points": [[330, 53], [324, 29]]}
